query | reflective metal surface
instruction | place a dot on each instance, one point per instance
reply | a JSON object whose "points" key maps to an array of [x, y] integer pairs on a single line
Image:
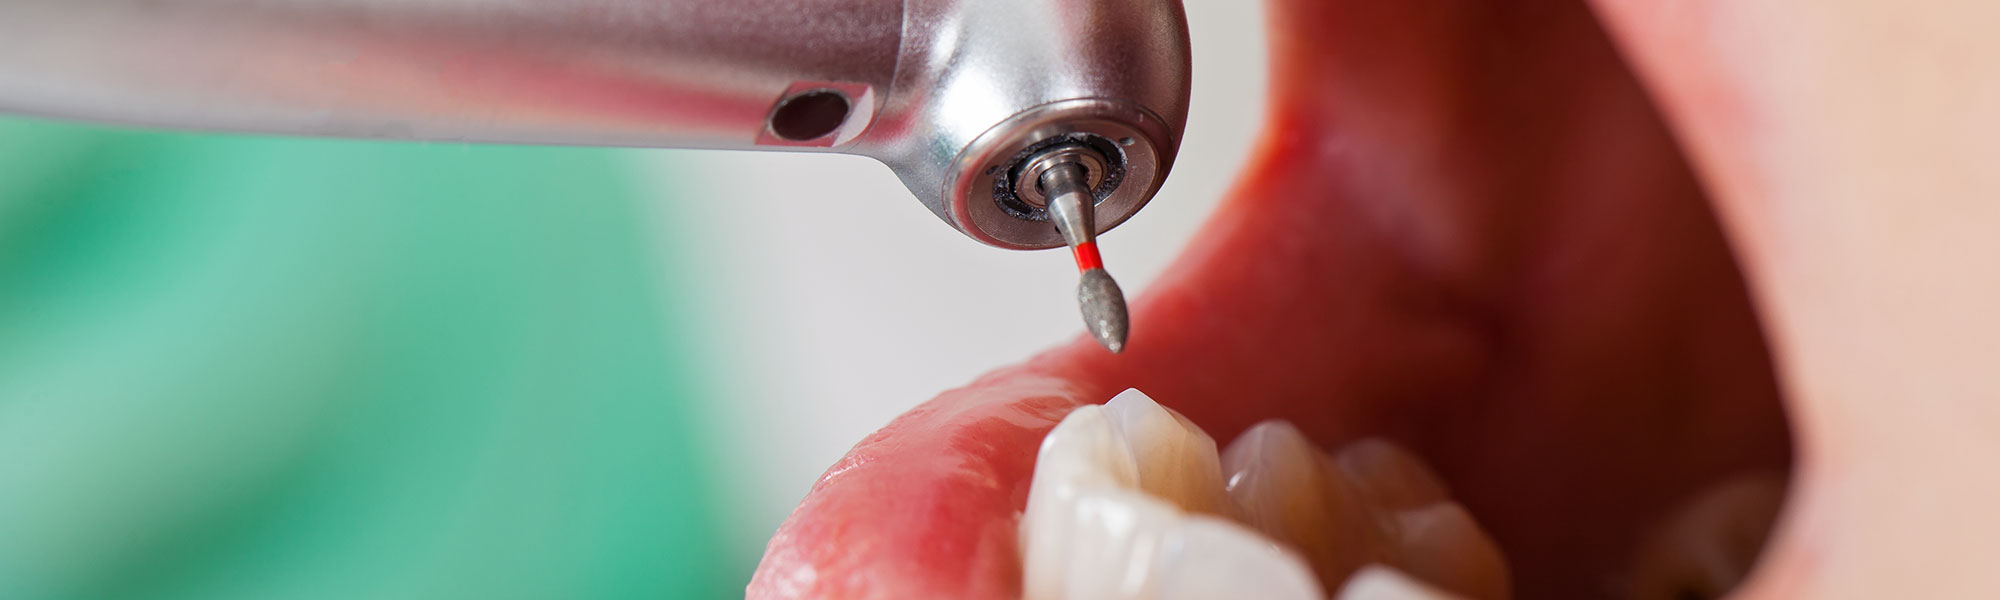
{"points": [[588, 72], [1027, 178], [946, 92], [1069, 203], [983, 82]]}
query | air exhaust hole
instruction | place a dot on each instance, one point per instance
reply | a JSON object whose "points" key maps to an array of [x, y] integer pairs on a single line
{"points": [[809, 116]]}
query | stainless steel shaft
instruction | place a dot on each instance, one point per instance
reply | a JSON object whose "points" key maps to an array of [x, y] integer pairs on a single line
{"points": [[949, 93], [684, 73]]}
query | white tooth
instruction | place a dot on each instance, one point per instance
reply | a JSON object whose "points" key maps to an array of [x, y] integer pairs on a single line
{"points": [[1108, 540], [1377, 582], [1177, 460], [1082, 453], [1391, 476], [1444, 546], [1213, 559], [1091, 532], [1709, 545], [1124, 545], [1086, 447], [1286, 489], [1127, 501]]}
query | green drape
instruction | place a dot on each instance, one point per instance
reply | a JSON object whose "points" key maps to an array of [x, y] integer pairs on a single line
{"points": [[240, 367]]}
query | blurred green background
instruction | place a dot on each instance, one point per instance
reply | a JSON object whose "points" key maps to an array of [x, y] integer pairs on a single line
{"points": [[242, 367]]}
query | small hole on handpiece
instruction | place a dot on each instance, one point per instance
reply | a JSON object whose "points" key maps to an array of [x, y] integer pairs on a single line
{"points": [[810, 115]]}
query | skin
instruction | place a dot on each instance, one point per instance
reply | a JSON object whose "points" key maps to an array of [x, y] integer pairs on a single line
{"points": [[1501, 233], [1849, 145]]}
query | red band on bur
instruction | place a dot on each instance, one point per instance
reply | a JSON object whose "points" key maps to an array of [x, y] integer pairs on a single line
{"points": [[1086, 256]]}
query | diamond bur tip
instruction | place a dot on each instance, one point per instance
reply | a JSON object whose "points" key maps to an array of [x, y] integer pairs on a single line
{"points": [[1103, 307]]}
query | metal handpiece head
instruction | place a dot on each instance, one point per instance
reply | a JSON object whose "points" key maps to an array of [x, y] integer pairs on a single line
{"points": [[983, 87]]}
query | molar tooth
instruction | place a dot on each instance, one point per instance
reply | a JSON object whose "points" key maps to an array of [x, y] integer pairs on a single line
{"points": [[1286, 489], [1177, 461], [1393, 477], [1377, 582], [1710, 544], [1444, 546]]}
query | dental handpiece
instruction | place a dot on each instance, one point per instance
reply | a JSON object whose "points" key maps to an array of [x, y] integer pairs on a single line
{"points": [[1024, 124]]}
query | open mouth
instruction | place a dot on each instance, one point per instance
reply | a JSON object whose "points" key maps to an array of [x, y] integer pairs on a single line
{"points": [[1467, 232]]}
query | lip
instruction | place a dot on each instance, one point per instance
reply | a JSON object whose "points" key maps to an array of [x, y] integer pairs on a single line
{"points": [[1466, 230]]}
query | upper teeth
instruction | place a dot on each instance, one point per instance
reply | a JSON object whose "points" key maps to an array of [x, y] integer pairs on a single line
{"points": [[1129, 500]]}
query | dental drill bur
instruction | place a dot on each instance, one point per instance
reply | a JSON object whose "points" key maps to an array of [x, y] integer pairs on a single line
{"points": [[1103, 304], [1063, 178]]}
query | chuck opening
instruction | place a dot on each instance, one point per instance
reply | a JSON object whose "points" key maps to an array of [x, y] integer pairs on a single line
{"points": [[1019, 191]]}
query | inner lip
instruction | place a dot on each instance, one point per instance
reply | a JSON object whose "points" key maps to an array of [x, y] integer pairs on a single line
{"points": [[1466, 230]]}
